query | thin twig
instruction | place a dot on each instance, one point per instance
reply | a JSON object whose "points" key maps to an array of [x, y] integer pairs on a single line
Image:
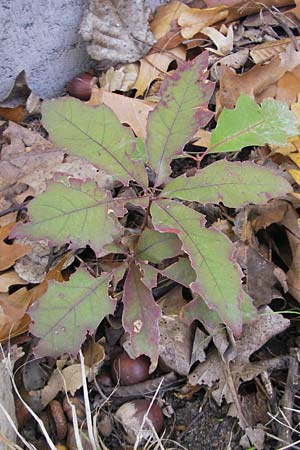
{"points": [[292, 384]]}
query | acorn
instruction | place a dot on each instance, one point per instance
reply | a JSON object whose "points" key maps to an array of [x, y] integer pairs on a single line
{"points": [[131, 416], [127, 371], [81, 86]]}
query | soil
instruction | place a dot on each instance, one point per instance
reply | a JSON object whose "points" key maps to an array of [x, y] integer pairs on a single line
{"points": [[209, 429]]}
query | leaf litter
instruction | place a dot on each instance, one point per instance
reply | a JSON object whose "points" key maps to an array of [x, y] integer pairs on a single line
{"points": [[204, 354]]}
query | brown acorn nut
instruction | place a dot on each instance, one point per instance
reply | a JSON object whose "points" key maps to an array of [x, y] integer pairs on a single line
{"points": [[131, 416], [80, 410], [129, 371], [81, 86], [59, 419]]}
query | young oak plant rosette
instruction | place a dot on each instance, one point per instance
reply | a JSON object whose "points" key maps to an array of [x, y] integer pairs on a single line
{"points": [[78, 212]]}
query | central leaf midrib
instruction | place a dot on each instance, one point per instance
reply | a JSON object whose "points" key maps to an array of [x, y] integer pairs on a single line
{"points": [[235, 135], [171, 129], [90, 292], [198, 250], [203, 186], [131, 175]]}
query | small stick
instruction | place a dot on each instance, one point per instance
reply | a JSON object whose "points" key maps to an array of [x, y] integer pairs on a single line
{"points": [[291, 387], [14, 208]]}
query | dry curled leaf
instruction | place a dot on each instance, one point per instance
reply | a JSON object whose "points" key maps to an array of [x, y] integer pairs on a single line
{"points": [[155, 65], [255, 81], [9, 253], [129, 110], [175, 345], [264, 52], [8, 279], [116, 30]]}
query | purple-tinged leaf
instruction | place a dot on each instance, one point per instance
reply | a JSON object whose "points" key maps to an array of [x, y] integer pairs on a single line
{"points": [[232, 183], [180, 113], [149, 275], [140, 316], [80, 213], [210, 253], [64, 314], [95, 134], [181, 272], [154, 246]]}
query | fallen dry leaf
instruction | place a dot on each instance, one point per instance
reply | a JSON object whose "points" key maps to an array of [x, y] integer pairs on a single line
{"points": [[154, 65], [8, 279], [29, 159], [116, 30], [254, 81], [262, 275], [288, 87], [9, 253], [224, 43], [246, 8], [93, 352], [283, 213], [193, 20], [129, 110], [67, 380], [296, 10], [230, 374], [33, 266], [175, 345], [121, 79], [203, 138], [26, 153], [13, 317], [264, 52], [164, 18]]}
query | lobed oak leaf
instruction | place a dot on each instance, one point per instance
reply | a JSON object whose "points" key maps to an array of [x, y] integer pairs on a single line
{"points": [[86, 131], [10, 253], [141, 316], [233, 184], [210, 252], [78, 212], [67, 311], [179, 114]]}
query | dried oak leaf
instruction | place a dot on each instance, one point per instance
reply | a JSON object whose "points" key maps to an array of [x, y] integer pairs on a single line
{"points": [[116, 30], [255, 81], [27, 158], [130, 111], [254, 336], [9, 253], [283, 213], [8, 279], [175, 345], [26, 153]]}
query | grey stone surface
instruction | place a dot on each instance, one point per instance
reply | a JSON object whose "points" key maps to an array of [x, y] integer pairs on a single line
{"points": [[41, 38]]}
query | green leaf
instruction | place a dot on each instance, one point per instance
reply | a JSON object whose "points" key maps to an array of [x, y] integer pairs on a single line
{"points": [[179, 114], [149, 274], [79, 212], [210, 253], [234, 184], [181, 272], [96, 134], [250, 124], [64, 314], [140, 316], [154, 246], [140, 151]]}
